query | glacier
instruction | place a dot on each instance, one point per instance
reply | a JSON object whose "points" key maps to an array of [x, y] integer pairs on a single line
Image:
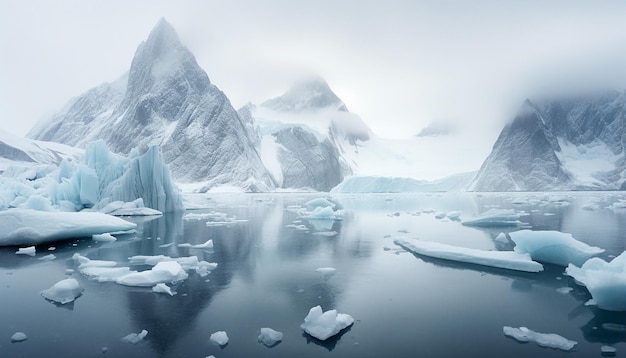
{"points": [[390, 184]]}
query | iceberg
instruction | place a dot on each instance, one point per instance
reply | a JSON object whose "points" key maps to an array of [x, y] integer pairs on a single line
{"points": [[219, 337], [323, 325], [64, 291], [495, 218], [550, 340], [605, 281], [32, 227], [270, 337], [501, 259], [553, 247], [319, 202], [139, 184]]}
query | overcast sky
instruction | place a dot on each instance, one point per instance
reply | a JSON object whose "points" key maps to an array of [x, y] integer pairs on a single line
{"points": [[397, 64]]}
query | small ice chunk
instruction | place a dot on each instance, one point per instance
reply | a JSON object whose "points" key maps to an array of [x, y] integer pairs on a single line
{"points": [[30, 251], [325, 233], [550, 340], [135, 338], [502, 259], [206, 245], [48, 257], [86, 262], [52, 248], [219, 337], [553, 247], [323, 325], [270, 337], [326, 271], [605, 281], [18, 337], [64, 291], [454, 215], [162, 288], [319, 203], [608, 350], [103, 237]]}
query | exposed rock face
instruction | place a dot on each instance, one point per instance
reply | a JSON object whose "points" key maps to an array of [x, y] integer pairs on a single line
{"points": [[166, 100], [306, 162], [573, 144]]}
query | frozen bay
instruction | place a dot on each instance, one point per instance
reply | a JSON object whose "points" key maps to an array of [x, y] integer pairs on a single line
{"points": [[268, 250]]}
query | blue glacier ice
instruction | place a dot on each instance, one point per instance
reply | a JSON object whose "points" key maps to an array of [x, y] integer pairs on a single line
{"points": [[553, 247], [605, 281]]}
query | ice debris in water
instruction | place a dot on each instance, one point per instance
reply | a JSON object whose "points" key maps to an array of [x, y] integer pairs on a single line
{"points": [[30, 251], [64, 291], [206, 245], [219, 337], [608, 350], [319, 202], [18, 337], [550, 340], [605, 281], [495, 218], [135, 338], [326, 271], [48, 257], [270, 337], [553, 247], [323, 325], [162, 288], [24, 227], [501, 259], [564, 290], [103, 237], [165, 271]]}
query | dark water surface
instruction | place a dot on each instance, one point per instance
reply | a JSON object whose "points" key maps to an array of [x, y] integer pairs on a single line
{"points": [[403, 305]]}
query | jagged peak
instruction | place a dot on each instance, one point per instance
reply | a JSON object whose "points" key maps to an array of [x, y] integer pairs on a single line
{"points": [[163, 35]]}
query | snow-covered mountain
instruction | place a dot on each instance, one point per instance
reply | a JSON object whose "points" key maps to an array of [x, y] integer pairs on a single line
{"points": [[25, 154], [301, 135], [166, 99], [567, 144]]}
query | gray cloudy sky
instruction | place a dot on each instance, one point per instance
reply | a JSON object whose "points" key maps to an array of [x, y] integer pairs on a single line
{"points": [[398, 64]]}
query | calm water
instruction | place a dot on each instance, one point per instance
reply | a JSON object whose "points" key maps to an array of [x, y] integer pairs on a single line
{"points": [[404, 306]]}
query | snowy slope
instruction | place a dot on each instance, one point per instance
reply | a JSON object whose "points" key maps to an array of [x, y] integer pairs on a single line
{"points": [[565, 144], [166, 100]]}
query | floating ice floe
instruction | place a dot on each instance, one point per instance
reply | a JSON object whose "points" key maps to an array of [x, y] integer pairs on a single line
{"points": [[103, 237], [495, 218], [608, 350], [220, 338], [501, 259], [206, 245], [18, 337], [319, 203], [323, 325], [326, 271], [64, 291], [165, 270], [135, 338], [30, 251], [454, 215], [605, 281], [553, 247], [162, 288], [549, 340], [325, 233], [321, 213], [24, 226], [270, 337]]}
